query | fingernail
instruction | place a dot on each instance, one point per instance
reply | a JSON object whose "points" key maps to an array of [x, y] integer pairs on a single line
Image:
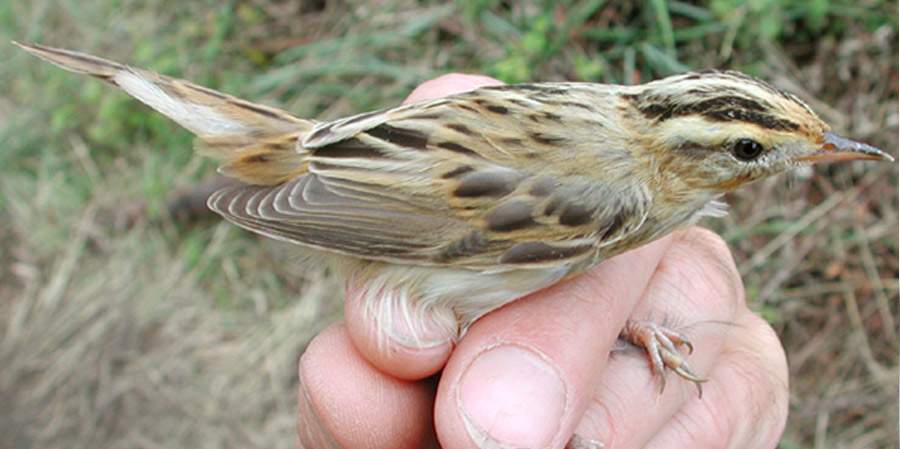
{"points": [[511, 396], [310, 430]]}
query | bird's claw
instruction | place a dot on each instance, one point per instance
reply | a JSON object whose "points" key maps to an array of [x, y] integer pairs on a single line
{"points": [[661, 345]]}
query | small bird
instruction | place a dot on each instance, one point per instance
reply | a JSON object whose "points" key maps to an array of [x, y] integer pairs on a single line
{"points": [[453, 207]]}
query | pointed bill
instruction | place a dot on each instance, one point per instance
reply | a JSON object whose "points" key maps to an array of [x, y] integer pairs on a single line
{"points": [[837, 148]]}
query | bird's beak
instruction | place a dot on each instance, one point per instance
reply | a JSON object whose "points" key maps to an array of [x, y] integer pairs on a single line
{"points": [[837, 148]]}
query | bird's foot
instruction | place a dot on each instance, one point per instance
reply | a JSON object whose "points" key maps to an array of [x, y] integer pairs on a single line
{"points": [[661, 345]]}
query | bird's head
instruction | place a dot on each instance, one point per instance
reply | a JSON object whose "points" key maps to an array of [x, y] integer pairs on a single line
{"points": [[718, 130]]}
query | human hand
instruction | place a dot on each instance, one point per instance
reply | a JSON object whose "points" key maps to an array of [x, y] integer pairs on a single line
{"points": [[535, 371]]}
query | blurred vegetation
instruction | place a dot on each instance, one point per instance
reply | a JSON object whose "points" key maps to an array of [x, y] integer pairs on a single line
{"points": [[111, 313]]}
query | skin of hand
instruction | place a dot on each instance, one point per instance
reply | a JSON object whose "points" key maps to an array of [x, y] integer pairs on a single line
{"points": [[544, 367]]}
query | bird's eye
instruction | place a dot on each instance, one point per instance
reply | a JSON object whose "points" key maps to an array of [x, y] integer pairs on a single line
{"points": [[747, 149]]}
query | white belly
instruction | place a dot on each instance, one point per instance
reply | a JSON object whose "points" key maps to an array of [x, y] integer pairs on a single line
{"points": [[450, 298]]}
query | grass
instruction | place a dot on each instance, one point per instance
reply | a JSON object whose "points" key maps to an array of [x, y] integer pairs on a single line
{"points": [[166, 334]]}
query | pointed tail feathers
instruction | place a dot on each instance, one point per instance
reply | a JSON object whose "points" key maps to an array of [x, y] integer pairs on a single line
{"points": [[256, 143]]}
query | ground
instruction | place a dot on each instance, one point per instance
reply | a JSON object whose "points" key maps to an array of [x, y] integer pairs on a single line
{"points": [[123, 327]]}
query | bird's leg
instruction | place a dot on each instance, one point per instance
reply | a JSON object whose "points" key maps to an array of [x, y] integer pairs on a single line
{"points": [[661, 345]]}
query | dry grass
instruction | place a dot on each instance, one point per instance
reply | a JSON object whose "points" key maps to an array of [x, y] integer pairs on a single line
{"points": [[169, 335]]}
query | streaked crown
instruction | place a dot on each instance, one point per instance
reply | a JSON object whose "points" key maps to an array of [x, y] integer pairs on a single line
{"points": [[726, 96]]}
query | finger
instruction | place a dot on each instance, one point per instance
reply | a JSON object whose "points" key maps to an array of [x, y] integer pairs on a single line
{"points": [[746, 405], [522, 375], [396, 338], [344, 402], [695, 290]]}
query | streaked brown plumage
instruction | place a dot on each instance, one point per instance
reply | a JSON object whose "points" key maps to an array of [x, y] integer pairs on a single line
{"points": [[456, 206]]}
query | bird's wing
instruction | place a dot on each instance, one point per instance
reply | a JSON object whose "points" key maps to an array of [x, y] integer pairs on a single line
{"points": [[429, 184]]}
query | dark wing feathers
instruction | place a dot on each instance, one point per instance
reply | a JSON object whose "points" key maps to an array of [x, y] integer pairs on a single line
{"points": [[521, 230], [310, 212]]}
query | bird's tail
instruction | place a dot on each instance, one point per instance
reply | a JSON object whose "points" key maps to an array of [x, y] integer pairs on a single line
{"points": [[256, 144]]}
